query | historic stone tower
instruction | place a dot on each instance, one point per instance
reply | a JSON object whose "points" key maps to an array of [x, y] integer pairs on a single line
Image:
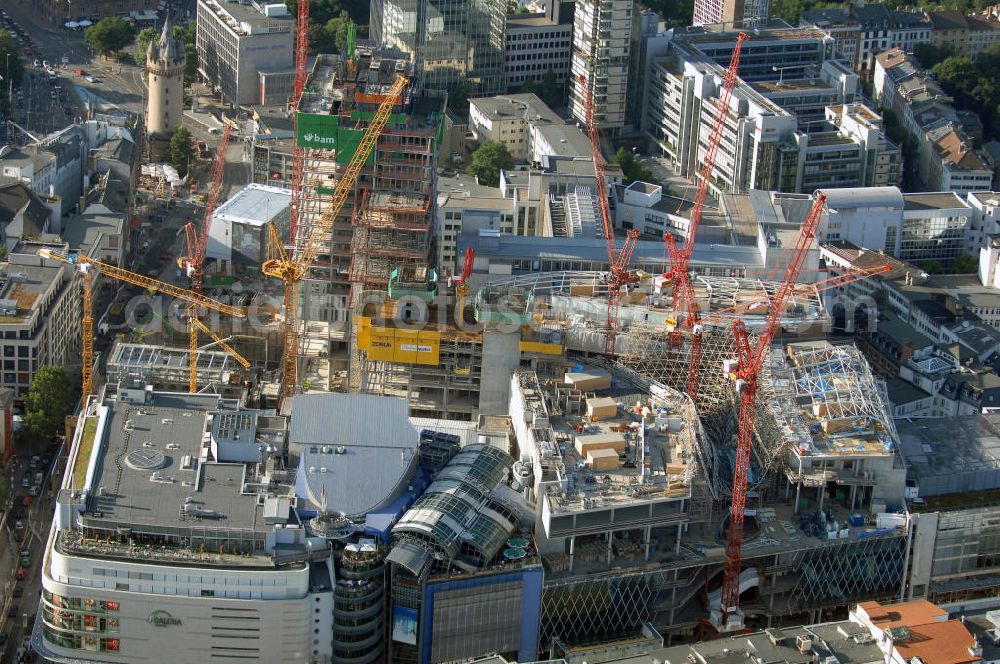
{"points": [[165, 64]]}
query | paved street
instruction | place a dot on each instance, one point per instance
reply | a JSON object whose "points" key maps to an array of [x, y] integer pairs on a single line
{"points": [[37, 519]]}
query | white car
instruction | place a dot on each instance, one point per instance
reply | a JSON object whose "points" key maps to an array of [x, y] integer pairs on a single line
{"points": [[46, 64], [92, 79], [37, 63]]}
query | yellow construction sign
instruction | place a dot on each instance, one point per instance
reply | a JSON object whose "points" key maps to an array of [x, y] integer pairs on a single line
{"points": [[389, 344], [540, 347]]}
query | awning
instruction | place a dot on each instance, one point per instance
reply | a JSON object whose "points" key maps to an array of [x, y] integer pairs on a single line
{"points": [[411, 556], [72, 25], [86, 23]]}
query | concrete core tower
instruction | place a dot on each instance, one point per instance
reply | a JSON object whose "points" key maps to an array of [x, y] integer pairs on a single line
{"points": [[165, 64]]}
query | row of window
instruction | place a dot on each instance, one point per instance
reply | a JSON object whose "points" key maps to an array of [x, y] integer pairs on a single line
{"points": [[535, 35]]}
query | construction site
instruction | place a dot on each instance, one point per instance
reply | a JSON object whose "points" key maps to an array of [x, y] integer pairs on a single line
{"points": [[677, 455], [386, 221]]}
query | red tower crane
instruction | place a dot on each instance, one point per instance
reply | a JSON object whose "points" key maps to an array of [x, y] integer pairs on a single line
{"points": [[194, 262], [618, 261], [749, 362], [680, 258], [301, 57], [461, 282]]}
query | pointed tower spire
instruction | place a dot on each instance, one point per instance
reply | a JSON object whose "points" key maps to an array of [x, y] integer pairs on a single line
{"points": [[168, 45]]}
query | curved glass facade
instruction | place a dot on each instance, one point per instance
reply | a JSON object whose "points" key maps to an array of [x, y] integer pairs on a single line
{"points": [[78, 623]]}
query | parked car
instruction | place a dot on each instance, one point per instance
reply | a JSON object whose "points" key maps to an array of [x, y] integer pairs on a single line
{"points": [[18, 591], [19, 574], [12, 611]]}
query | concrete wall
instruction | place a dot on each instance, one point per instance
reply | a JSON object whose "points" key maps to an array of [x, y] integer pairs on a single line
{"points": [[501, 357]]}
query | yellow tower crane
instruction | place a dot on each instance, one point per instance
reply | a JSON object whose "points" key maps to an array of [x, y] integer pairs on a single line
{"points": [[193, 326], [291, 269], [88, 266]]}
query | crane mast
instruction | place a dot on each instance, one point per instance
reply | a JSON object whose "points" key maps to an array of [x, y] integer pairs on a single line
{"points": [[298, 87], [680, 258], [749, 363], [194, 262], [292, 269], [618, 261], [88, 266]]}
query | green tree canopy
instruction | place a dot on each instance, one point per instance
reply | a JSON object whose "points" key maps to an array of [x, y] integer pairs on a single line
{"points": [[10, 56], [488, 160], [929, 55], [109, 35], [46, 405], [675, 13], [329, 37], [631, 169], [142, 40], [458, 100], [181, 150], [964, 264], [957, 74]]}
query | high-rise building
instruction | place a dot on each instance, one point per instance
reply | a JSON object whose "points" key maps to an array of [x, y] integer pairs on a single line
{"points": [[732, 13], [452, 42], [602, 31], [165, 66], [239, 41]]}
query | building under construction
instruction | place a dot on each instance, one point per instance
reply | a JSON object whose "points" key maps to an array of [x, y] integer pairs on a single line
{"points": [[601, 444], [387, 221]]}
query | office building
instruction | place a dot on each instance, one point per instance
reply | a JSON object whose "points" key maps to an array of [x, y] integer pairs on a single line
{"points": [[454, 43], [788, 133], [535, 44], [237, 41], [40, 321], [602, 33], [732, 14], [509, 119]]}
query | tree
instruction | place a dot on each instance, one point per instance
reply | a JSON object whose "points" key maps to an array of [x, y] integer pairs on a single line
{"points": [[142, 40], [458, 100], [186, 34], [181, 150], [930, 267], [488, 160], [957, 74], [49, 400], [10, 56], [964, 264], [631, 169], [109, 35], [929, 55], [329, 37]]}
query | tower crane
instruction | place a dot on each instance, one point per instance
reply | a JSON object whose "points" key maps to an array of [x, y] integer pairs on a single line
{"points": [[291, 269], [749, 363], [461, 282], [618, 261], [680, 258], [88, 266], [194, 263], [194, 325], [820, 287], [298, 86]]}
